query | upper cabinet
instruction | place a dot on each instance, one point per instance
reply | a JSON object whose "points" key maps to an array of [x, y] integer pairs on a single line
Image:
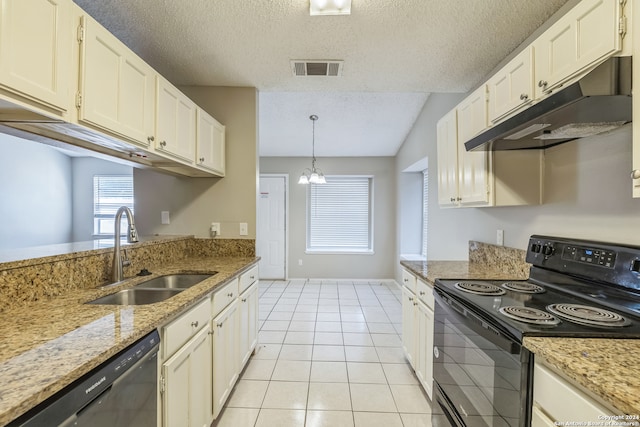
{"points": [[210, 150], [175, 122], [447, 140], [36, 40], [588, 34], [116, 91], [511, 88]]}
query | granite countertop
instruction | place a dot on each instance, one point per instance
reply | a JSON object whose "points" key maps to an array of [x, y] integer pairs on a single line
{"points": [[47, 345], [432, 270], [608, 368]]}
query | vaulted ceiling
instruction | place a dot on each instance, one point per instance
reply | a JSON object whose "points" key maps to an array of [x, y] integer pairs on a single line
{"points": [[395, 53]]}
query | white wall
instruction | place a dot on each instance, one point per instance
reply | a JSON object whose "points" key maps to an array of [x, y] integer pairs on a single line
{"points": [[35, 194], [587, 193], [378, 265], [83, 171], [194, 203]]}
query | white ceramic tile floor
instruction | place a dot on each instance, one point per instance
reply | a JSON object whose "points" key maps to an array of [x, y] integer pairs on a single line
{"points": [[329, 354]]}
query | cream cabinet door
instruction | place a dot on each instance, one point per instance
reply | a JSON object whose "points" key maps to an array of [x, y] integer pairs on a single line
{"points": [[511, 88], [225, 355], [211, 143], [424, 347], [447, 146], [186, 398], [248, 328], [175, 122], [472, 114], [582, 38], [116, 86], [408, 326], [36, 38]]}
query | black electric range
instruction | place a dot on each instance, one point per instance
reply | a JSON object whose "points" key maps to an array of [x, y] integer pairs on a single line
{"points": [[577, 288]]}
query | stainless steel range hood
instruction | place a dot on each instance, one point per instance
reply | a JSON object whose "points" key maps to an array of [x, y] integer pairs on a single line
{"points": [[598, 102]]}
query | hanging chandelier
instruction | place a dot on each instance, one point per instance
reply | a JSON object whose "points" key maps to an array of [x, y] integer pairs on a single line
{"points": [[313, 175]]}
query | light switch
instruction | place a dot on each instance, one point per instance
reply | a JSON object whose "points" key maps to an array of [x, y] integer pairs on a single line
{"points": [[244, 229], [164, 217]]}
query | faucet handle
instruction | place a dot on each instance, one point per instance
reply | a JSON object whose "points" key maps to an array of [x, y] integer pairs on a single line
{"points": [[133, 234], [126, 262]]}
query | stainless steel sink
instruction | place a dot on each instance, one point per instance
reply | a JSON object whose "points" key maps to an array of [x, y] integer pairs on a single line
{"points": [[137, 296], [174, 281]]}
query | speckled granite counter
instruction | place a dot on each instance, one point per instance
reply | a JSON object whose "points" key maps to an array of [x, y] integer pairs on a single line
{"points": [[432, 270], [608, 368], [46, 345]]}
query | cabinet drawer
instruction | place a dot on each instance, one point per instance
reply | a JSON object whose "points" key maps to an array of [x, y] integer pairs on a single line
{"points": [[409, 281], [224, 296], [247, 279], [562, 401], [425, 293], [184, 327]]}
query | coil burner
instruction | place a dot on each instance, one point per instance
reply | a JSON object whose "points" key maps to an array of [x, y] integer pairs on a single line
{"points": [[587, 315], [523, 287], [529, 315], [479, 288]]}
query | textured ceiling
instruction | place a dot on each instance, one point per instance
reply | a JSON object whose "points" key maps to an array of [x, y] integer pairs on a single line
{"points": [[395, 53]]}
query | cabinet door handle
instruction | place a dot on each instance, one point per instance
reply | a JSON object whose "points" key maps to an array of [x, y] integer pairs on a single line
{"points": [[210, 333], [410, 298], [252, 277], [151, 139], [244, 300], [201, 159], [458, 199], [230, 295], [543, 84], [163, 144], [524, 97], [415, 303], [635, 174], [194, 324], [220, 325], [421, 292], [453, 199], [405, 280]]}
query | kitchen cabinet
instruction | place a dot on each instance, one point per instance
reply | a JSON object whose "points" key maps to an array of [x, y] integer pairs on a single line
{"points": [[417, 330], [511, 88], [225, 355], [36, 41], [117, 88], [248, 328], [210, 150], [175, 122], [555, 401], [584, 37], [186, 382], [483, 178]]}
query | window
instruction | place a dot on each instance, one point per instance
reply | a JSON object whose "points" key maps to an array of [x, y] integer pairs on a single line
{"points": [[339, 215], [110, 192], [425, 210]]}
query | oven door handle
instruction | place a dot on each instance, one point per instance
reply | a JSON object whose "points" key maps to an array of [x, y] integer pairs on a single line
{"points": [[476, 323]]}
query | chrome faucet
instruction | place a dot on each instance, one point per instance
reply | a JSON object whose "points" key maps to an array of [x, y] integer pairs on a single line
{"points": [[132, 237]]}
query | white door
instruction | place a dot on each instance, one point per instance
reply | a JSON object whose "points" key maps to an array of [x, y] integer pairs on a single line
{"points": [[271, 239]]}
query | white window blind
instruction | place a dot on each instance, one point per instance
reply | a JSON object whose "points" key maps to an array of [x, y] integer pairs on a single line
{"points": [[425, 209], [110, 192], [339, 215]]}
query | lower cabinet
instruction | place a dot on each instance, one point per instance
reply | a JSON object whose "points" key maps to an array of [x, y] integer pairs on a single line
{"points": [[186, 385], [556, 401], [248, 323], [225, 355], [417, 332]]}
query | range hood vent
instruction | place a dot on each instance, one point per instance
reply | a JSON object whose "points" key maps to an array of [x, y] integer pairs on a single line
{"points": [[599, 102], [301, 67]]}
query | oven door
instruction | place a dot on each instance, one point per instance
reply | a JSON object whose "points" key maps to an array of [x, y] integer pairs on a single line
{"points": [[482, 376]]}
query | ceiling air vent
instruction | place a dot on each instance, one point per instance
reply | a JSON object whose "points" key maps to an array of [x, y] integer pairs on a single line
{"points": [[317, 68]]}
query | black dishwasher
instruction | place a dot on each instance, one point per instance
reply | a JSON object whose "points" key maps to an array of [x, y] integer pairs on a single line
{"points": [[121, 392]]}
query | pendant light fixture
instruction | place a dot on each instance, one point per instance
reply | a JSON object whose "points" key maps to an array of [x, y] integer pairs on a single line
{"points": [[313, 175]]}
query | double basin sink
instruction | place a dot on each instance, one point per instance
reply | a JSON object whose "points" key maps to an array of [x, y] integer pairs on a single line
{"points": [[153, 290]]}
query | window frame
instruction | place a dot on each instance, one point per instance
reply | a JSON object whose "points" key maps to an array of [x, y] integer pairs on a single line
{"points": [[340, 250], [97, 216]]}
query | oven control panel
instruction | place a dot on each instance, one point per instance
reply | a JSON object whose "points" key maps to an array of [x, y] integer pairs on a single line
{"points": [[589, 255]]}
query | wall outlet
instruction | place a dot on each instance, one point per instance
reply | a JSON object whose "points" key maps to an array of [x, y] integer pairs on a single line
{"points": [[500, 237], [164, 217], [299, 262], [244, 229], [215, 229]]}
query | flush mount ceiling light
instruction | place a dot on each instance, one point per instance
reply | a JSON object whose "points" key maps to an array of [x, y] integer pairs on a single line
{"points": [[313, 175], [330, 7]]}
